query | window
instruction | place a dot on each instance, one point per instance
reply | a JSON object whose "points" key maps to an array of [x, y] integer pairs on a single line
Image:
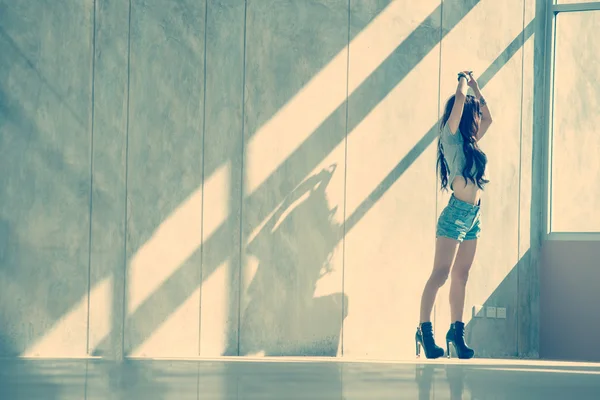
{"points": [[575, 125]]}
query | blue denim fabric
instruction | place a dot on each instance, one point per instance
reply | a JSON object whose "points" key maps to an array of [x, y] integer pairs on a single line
{"points": [[459, 220]]}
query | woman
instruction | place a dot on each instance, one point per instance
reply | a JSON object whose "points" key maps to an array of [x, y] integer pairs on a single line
{"points": [[462, 165]]}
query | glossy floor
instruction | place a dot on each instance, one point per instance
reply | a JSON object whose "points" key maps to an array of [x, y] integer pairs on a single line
{"points": [[297, 379]]}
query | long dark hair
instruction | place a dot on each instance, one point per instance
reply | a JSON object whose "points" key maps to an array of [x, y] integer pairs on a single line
{"points": [[468, 127]]}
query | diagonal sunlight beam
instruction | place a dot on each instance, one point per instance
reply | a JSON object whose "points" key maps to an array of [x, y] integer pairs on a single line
{"points": [[430, 136], [294, 169], [318, 99], [369, 93], [175, 240], [54, 342]]}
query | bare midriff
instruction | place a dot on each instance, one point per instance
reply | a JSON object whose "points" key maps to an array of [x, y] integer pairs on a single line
{"points": [[469, 193]]}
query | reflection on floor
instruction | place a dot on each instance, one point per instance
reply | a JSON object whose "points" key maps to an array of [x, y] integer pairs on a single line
{"points": [[296, 379]]}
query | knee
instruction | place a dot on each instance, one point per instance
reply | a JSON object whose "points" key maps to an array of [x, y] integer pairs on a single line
{"points": [[439, 276], [460, 274]]}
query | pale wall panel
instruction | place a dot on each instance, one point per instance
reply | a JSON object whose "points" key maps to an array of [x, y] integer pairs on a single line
{"points": [[531, 185], [223, 178], [45, 138], [107, 268], [294, 127], [164, 178], [496, 61], [394, 63]]}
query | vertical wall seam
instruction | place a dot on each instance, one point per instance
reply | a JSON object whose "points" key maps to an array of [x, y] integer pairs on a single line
{"points": [[438, 119], [517, 312], [434, 311], [546, 159], [202, 172], [541, 149], [91, 201], [124, 294], [242, 164], [345, 185], [549, 148], [540, 143]]}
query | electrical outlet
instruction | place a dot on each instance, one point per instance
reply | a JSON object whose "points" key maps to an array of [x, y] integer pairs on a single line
{"points": [[491, 312], [478, 312], [501, 312]]}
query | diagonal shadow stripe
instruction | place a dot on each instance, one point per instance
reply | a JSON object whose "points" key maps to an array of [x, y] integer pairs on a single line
{"points": [[181, 284], [10, 106], [41, 77]]}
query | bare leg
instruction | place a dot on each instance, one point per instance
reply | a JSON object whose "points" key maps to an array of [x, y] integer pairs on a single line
{"points": [[445, 251], [460, 274]]}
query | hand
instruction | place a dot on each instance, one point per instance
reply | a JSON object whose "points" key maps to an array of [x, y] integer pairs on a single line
{"points": [[472, 81], [465, 73]]}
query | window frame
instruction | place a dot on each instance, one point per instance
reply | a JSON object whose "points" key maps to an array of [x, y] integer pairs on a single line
{"points": [[553, 10]]}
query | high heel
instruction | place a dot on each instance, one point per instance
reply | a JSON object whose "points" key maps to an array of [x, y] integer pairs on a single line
{"points": [[424, 338], [456, 336]]}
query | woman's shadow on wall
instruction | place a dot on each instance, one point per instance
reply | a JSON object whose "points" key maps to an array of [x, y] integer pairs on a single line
{"points": [[292, 252]]}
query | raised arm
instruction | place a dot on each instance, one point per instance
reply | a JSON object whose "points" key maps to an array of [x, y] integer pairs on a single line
{"points": [[459, 103], [486, 115]]}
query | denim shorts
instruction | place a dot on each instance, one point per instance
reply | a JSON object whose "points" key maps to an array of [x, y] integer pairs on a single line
{"points": [[459, 220]]}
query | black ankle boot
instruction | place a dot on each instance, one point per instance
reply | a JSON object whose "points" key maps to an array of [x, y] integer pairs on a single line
{"points": [[424, 337], [456, 336]]}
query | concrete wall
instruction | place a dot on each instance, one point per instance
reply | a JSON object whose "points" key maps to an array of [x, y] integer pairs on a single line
{"points": [[220, 177]]}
